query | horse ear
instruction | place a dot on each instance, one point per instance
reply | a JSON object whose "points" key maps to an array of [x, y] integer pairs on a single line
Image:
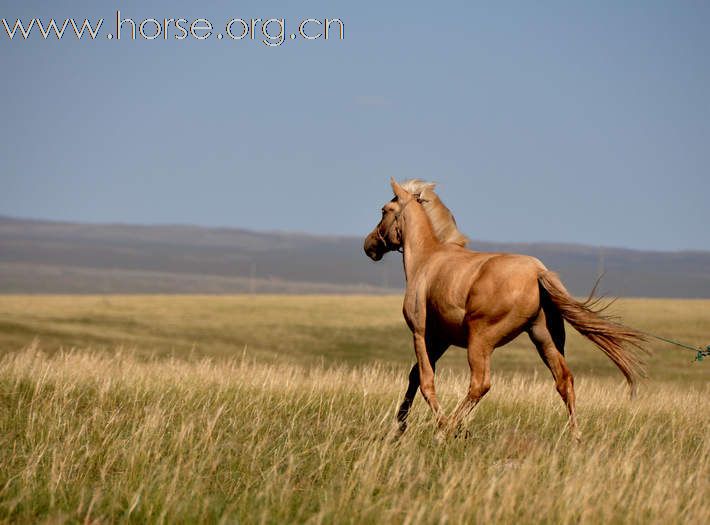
{"points": [[399, 192]]}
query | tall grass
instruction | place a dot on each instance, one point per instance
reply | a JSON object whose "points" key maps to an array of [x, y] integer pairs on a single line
{"points": [[111, 437]]}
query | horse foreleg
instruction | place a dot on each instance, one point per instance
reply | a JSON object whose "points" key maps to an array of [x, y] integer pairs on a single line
{"points": [[426, 379], [435, 351], [409, 395]]}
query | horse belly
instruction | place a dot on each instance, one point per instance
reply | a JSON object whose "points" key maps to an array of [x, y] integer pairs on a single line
{"points": [[448, 324]]}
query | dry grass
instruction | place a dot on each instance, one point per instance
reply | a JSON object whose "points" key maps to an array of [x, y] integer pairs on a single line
{"points": [[167, 434], [308, 330], [91, 436]]}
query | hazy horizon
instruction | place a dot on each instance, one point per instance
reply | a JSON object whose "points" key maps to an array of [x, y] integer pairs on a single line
{"points": [[287, 232]]}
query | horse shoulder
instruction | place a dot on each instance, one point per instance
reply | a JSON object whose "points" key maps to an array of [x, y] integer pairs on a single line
{"points": [[419, 290], [414, 306]]}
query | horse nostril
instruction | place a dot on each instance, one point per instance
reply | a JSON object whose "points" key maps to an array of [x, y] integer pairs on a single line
{"points": [[370, 248], [374, 255], [371, 251]]}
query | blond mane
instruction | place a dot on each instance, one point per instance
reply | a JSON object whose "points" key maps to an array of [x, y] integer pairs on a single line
{"points": [[442, 220]]}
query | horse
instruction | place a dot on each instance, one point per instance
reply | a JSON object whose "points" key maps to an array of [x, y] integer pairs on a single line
{"points": [[481, 301]]}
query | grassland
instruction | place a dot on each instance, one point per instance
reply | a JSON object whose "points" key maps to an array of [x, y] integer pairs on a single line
{"points": [[279, 409]]}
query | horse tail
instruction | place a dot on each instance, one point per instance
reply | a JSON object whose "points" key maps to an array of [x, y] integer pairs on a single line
{"points": [[621, 344]]}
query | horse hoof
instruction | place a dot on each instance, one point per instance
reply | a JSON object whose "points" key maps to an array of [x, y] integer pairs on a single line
{"points": [[396, 435], [463, 434]]}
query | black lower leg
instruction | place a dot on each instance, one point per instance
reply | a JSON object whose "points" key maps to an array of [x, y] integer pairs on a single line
{"points": [[409, 396]]}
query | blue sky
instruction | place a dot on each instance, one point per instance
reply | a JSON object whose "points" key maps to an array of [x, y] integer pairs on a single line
{"points": [[562, 121]]}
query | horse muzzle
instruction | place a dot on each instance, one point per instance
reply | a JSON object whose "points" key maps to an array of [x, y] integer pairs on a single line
{"points": [[373, 247]]}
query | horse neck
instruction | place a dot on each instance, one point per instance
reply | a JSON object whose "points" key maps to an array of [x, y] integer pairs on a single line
{"points": [[418, 238]]}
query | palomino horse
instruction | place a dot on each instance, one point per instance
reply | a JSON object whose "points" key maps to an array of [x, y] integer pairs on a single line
{"points": [[481, 301]]}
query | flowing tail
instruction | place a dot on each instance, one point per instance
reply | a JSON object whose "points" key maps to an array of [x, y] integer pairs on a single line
{"points": [[621, 344]]}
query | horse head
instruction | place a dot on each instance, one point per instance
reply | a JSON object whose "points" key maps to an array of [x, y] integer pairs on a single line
{"points": [[387, 235]]}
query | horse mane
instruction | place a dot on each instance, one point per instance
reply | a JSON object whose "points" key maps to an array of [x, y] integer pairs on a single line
{"points": [[441, 218]]}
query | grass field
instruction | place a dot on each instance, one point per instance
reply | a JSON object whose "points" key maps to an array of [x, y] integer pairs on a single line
{"points": [[279, 409]]}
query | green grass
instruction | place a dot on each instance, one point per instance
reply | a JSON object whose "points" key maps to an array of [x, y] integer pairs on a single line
{"points": [[307, 330], [279, 409]]}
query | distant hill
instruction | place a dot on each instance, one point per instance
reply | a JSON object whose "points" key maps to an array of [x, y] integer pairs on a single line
{"points": [[56, 257]]}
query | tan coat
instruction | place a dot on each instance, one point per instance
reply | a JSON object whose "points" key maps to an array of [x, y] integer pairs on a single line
{"points": [[481, 301]]}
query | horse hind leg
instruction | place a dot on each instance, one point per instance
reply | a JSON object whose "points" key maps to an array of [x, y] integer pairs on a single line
{"points": [[548, 334], [479, 360]]}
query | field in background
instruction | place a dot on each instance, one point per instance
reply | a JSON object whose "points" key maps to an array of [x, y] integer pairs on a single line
{"points": [[306, 330], [279, 408]]}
